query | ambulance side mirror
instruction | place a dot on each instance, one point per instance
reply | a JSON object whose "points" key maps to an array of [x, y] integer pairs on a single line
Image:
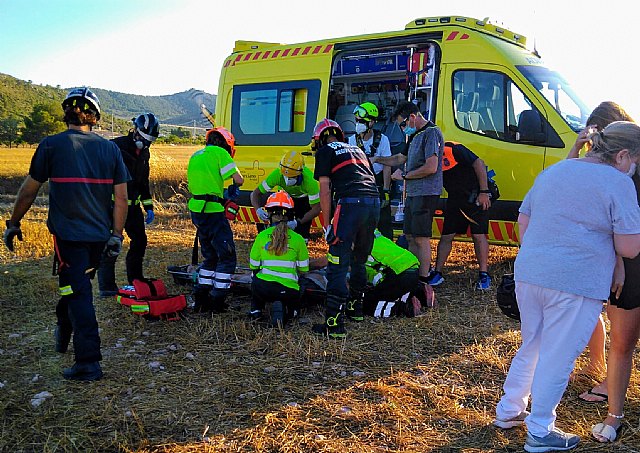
{"points": [[530, 128]]}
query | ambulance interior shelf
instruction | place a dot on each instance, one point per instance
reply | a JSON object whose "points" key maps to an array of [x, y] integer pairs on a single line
{"points": [[384, 77]]}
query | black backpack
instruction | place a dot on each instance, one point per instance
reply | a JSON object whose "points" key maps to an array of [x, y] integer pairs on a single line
{"points": [[506, 297]]}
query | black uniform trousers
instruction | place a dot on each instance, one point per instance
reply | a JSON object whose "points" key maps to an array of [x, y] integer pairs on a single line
{"points": [[75, 311], [135, 229]]}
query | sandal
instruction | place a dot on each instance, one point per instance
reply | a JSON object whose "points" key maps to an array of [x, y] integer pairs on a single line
{"points": [[605, 433], [603, 397]]}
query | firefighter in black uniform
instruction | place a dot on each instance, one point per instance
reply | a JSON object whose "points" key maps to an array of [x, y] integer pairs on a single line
{"points": [[135, 153], [345, 170]]}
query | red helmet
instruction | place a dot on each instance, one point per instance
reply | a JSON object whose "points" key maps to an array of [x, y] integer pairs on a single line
{"points": [[226, 135], [325, 128]]}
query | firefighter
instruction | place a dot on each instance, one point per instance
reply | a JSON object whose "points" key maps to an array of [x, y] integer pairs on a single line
{"points": [[135, 153], [84, 172], [374, 143], [277, 257], [344, 170], [297, 180], [211, 211]]}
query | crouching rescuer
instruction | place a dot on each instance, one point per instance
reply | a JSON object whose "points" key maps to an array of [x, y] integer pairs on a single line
{"points": [[211, 209], [84, 172], [278, 256]]}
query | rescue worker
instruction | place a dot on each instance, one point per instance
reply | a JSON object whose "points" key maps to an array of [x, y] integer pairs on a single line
{"points": [[344, 170], [422, 178], [392, 274], [297, 180], [374, 143], [465, 180], [135, 153], [84, 172], [206, 173], [277, 257]]}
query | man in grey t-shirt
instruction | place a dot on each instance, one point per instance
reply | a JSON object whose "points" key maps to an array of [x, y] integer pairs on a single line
{"points": [[423, 179]]}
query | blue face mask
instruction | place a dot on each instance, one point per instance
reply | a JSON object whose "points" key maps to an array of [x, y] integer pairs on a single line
{"points": [[408, 131]]}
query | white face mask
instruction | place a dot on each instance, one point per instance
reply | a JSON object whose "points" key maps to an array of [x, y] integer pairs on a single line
{"points": [[290, 181], [361, 128], [632, 169]]}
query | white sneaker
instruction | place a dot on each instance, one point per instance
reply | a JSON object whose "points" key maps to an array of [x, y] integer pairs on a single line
{"points": [[511, 422]]}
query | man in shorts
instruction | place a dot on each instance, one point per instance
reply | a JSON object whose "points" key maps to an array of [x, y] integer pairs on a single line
{"points": [[466, 182], [423, 179]]}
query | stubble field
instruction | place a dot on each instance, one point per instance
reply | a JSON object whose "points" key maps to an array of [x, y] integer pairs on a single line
{"points": [[223, 384]]}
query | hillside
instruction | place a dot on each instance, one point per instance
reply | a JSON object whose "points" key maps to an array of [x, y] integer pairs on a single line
{"points": [[17, 98]]}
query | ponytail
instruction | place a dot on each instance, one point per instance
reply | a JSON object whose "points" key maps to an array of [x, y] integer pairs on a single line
{"points": [[279, 239]]}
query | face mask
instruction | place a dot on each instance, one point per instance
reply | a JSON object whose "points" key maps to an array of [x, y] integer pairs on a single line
{"points": [[408, 131], [290, 181], [632, 169], [360, 128]]}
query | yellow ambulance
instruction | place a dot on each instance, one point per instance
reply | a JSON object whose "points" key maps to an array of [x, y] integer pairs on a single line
{"points": [[475, 80]]}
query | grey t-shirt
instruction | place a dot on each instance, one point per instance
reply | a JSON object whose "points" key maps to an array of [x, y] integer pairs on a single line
{"points": [[575, 207], [425, 144]]}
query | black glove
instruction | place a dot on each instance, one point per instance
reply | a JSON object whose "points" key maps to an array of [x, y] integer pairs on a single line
{"points": [[113, 246], [13, 230]]}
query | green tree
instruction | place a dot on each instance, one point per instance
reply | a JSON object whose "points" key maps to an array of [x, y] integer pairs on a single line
{"points": [[9, 131], [45, 119]]}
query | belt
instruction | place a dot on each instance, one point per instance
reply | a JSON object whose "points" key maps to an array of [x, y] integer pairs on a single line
{"points": [[208, 198], [362, 200]]}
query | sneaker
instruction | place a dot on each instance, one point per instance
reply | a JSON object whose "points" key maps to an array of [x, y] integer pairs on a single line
{"points": [[435, 278], [556, 440], [256, 315], [484, 282], [62, 337], [90, 371], [511, 422]]}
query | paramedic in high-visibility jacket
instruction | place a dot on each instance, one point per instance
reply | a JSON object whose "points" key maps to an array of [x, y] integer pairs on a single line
{"points": [[278, 256], [297, 180], [211, 210], [345, 171], [392, 274], [84, 172]]}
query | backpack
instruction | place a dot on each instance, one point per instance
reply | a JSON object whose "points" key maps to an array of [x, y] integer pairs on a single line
{"points": [[506, 297], [149, 298]]}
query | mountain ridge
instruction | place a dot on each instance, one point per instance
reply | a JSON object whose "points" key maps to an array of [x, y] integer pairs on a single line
{"points": [[17, 98]]}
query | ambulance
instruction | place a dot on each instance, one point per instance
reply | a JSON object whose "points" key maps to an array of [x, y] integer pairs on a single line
{"points": [[477, 81]]}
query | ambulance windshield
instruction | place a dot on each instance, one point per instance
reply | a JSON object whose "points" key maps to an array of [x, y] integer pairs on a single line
{"points": [[559, 94]]}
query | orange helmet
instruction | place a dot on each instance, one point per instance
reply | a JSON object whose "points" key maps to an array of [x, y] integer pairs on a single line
{"points": [[280, 199], [227, 136], [324, 129], [280, 203]]}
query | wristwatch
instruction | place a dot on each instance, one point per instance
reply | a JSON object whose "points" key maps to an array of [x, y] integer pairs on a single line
{"points": [[484, 191]]}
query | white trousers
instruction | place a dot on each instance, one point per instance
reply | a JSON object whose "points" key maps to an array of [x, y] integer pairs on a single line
{"points": [[556, 327]]}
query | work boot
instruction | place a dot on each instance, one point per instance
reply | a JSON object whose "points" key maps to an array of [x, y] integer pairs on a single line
{"points": [[412, 307], [62, 336], [426, 295], [333, 327], [354, 309], [277, 314], [83, 371], [202, 302], [218, 304]]}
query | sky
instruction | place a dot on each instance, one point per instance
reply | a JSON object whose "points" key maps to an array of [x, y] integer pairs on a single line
{"points": [[168, 46]]}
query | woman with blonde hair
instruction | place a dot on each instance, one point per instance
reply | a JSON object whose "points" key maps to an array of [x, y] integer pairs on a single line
{"points": [[560, 299], [277, 257], [604, 114]]}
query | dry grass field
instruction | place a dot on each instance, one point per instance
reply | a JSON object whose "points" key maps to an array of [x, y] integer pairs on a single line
{"points": [[222, 384]]}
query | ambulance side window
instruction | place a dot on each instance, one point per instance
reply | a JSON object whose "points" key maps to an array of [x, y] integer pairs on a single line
{"points": [[490, 104], [275, 114]]}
